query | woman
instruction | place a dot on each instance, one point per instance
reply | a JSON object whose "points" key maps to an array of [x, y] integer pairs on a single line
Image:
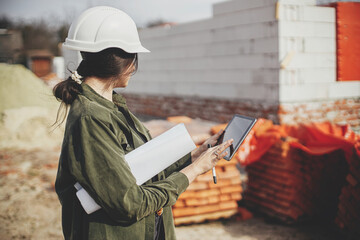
{"points": [[100, 130]]}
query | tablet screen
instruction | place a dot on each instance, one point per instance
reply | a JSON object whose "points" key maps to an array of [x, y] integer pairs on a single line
{"points": [[237, 129]]}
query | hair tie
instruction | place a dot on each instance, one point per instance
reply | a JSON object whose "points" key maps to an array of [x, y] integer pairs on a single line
{"points": [[76, 77]]}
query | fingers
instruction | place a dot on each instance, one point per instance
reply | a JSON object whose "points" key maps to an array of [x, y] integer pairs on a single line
{"points": [[219, 152], [224, 146], [213, 139], [222, 155]]}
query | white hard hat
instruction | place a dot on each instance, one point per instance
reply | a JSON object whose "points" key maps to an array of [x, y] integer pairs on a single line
{"points": [[104, 27]]}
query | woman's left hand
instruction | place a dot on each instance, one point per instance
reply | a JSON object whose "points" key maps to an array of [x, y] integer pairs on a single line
{"points": [[212, 141]]}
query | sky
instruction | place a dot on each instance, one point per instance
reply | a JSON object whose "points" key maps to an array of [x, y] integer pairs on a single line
{"points": [[142, 11]]}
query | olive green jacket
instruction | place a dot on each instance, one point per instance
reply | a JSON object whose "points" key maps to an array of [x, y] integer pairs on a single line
{"points": [[97, 136]]}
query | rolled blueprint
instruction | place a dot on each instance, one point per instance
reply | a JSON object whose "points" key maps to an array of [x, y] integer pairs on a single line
{"points": [[87, 202], [153, 157], [149, 159]]}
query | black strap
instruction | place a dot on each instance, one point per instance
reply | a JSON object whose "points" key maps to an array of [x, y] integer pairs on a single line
{"points": [[130, 121], [159, 233]]}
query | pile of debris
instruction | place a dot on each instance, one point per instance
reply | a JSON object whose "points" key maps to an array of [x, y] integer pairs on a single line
{"points": [[28, 109]]}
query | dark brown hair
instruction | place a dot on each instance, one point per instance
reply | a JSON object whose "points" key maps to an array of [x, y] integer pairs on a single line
{"points": [[109, 64]]}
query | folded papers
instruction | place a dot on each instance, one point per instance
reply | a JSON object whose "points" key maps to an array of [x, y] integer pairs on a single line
{"points": [[148, 160]]}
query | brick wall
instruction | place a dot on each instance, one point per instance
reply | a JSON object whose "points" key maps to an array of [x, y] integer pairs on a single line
{"points": [[217, 110], [337, 111]]}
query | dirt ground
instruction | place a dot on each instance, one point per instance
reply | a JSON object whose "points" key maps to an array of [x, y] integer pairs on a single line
{"points": [[29, 208]]}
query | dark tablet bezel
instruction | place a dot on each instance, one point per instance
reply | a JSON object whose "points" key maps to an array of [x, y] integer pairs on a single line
{"points": [[253, 121]]}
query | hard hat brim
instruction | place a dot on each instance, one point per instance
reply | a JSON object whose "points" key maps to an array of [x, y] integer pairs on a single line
{"points": [[99, 46]]}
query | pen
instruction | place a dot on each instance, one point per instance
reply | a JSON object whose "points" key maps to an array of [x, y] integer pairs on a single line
{"points": [[213, 169]]}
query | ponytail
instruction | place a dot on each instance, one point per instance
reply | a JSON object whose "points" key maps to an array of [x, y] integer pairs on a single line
{"points": [[66, 92], [109, 64]]}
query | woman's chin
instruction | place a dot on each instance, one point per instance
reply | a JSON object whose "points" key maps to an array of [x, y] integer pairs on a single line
{"points": [[122, 85]]}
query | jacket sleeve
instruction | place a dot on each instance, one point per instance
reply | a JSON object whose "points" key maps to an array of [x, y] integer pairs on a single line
{"points": [[96, 160], [177, 166]]}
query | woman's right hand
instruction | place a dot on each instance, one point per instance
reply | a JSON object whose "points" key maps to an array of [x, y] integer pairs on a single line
{"points": [[206, 161]]}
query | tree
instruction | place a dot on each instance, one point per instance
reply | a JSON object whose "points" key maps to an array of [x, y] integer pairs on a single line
{"points": [[38, 34], [5, 22]]}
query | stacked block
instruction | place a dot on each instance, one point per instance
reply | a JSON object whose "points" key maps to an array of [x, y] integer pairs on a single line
{"points": [[204, 200], [290, 185], [348, 217], [219, 57], [307, 51]]}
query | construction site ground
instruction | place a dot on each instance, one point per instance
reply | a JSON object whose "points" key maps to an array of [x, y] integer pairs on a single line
{"points": [[29, 207]]}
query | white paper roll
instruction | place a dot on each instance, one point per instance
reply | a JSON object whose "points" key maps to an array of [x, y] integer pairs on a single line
{"points": [[156, 155], [148, 160], [87, 202]]}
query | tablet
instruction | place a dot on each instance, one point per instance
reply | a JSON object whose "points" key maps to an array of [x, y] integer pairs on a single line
{"points": [[237, 129]]}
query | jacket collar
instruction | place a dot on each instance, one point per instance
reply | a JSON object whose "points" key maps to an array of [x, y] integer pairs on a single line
{"points": [[118, 100]]}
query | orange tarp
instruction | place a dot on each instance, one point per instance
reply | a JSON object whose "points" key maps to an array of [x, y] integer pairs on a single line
{"points": [[313, 138]]}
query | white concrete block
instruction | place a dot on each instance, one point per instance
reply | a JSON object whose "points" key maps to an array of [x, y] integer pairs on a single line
{"points": [[308, 60], [319, 91], [256, 15], [247, 31], [287, 44], [307, 45], [318, 75], [319, 14], [155, 32], [199, 37], [253, 61], [344, 89], [211, 76], [223, 48], [241, 32], [186, 87], [303, 92], [227, 91], [319, 45], [265, 76], [265, 45], [306, 13], [310, 75], [306, 29], [235, 6], [298, 2]]}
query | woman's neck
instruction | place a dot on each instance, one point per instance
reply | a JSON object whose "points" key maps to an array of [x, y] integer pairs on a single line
{"points": [[100, 87]]}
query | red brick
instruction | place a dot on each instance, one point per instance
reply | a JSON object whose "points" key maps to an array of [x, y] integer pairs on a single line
{"points": [[198, 186], [179, 203], [207, 193], [203, 217], [231, 189], [236, 196], [228, 205], [188, 211]]}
